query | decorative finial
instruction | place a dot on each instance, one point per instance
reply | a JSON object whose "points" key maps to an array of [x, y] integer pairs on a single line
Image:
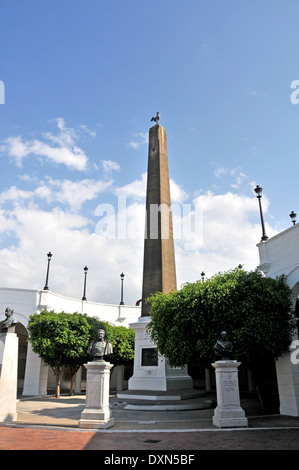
{"points": [[156, 118]]}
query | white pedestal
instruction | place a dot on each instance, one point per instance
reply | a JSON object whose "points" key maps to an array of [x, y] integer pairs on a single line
{"points": [[228, 412], [97, 413], [158, 376], [8, 376]]}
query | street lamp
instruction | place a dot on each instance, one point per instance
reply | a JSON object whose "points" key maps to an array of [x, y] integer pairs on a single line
{"points": [[258, 191], [202, 276], [85, 274], [49, 255], [293, 217], [122, 289]]}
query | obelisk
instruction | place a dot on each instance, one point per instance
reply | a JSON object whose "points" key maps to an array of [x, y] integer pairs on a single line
{"points": [[151, 371], [159, 274]]}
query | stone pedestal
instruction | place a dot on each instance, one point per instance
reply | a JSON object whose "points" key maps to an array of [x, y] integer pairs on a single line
{"points": [[8, 375], [97, 413], [151, 372], [228, 412]]}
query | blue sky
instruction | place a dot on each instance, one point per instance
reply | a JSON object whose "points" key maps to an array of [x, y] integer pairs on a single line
{"points": [[82, 80]]}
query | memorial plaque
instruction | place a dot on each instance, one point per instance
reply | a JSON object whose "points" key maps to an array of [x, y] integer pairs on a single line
{"points": [[149, 357], [230, 385]]}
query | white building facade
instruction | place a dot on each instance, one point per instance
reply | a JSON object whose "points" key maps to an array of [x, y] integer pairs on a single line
{"points": [[280, 255], [25, 302]]}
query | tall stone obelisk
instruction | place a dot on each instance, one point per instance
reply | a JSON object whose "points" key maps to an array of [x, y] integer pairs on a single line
{"points": [[159, 274], [151, 371]]}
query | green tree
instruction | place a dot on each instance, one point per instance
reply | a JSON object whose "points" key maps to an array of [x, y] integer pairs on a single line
{"points": [[60, 339], [75, 362], [254, 310]]}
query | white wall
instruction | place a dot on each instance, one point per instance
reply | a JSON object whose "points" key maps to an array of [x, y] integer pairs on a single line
{"points": [[26, 302], [280, 255]]}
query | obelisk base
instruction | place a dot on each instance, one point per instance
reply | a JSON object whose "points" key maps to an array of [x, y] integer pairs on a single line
{"points": [[97, 413], [151, 372], [8, 375], [228, 412]]}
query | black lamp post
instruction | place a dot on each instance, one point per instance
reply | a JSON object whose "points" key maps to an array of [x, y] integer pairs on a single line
{"points": [[258, 191], [293, 217], [122, 289], [49, 255], [202, 276], [84, 291]]}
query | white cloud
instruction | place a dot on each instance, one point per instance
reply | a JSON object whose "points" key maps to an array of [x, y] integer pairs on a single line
{"points": [[140, 139], [73, 246], [110, 165], [15, 194], [225, 235], [177, 193], [16, 149], [235, 175], [136, 189], [76, 193], [88, 131], [219, 172], [62, 151], [71, 193]]}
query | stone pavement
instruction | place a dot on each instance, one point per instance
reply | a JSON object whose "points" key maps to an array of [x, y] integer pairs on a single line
{"points": [[48, 423]]}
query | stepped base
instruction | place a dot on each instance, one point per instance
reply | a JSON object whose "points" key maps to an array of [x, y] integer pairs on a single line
{"points": [[171, 400]]}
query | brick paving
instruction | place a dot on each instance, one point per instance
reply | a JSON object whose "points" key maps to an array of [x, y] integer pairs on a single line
{"points": [[14, 438], [50, 424]]}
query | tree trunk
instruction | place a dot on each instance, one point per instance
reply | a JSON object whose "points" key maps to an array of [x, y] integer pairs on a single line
{"points": [[58, 387], [58, 374], [72, 386]]}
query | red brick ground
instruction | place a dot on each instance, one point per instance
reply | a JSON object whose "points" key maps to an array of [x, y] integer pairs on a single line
{"points": [[12, 438]]}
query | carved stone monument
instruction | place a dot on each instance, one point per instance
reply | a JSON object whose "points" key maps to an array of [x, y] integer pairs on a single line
{"points": [[151, 371], [228, 412], [8, 367], [97, 413]]}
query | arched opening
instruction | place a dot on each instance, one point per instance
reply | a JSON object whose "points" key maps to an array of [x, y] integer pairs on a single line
{"points": [[22, 334]]}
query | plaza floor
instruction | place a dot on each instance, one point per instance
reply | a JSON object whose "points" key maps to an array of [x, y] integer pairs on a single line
{"points": [[48, 423]]}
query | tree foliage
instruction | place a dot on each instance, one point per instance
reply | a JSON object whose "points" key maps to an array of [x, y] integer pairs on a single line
{"points": [[60, 339], [254, 310]]}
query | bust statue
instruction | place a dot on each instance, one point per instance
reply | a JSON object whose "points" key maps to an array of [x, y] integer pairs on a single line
{"points": [[9, 321], [99, 348], [223, 347]]}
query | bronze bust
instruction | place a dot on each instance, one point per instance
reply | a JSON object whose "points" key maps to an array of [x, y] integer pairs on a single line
{"points": [[223, 348], [99, 348], [9, 321]]}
